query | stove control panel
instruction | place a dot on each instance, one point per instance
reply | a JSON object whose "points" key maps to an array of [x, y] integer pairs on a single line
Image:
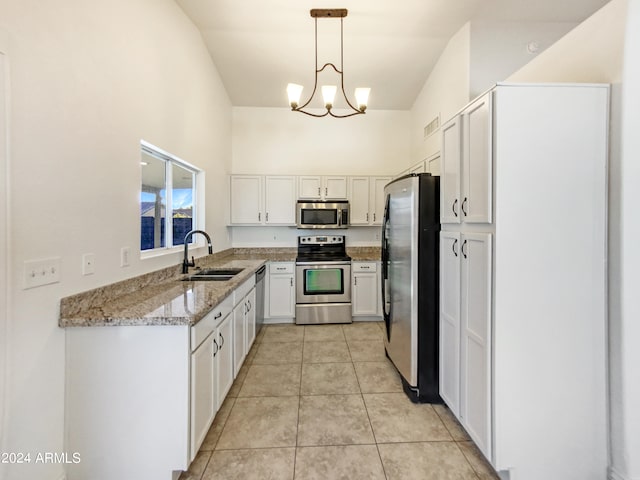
{"points": [[321, 240]]}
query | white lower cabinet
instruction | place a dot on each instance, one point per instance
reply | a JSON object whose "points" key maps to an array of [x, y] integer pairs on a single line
{"points": [[223, 360], [282, 291], [211, 377], [450, 320], [475, 334], [365, 291], [239, 349], [243, 315], [203, 391], [465, 331], [250, 331]]}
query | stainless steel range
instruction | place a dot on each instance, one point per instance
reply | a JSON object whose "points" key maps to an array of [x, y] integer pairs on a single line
{"points": [[323, 280]]}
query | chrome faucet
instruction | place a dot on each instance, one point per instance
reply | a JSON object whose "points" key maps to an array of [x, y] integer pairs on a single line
{"points": [[186, 263]]}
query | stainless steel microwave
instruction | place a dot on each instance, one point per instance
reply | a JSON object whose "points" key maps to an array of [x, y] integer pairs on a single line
{"points": [[322, 214]]}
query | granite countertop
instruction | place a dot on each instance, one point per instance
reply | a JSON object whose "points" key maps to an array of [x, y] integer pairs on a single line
{"points": [[162, 298], [364, 254]]}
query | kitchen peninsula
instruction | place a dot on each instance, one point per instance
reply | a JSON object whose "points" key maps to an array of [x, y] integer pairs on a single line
{"points": [[156, 354]]}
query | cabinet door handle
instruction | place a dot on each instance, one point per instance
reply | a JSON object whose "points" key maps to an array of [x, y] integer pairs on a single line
{"points": [[326, 192], [318, 191], [217, 316], [258, 216], [374, 217], [248, 306], [364, 267], [221, 340], [464, 202], [291, 282], [453, 207], [355, 281], [453, 247], [266, 217], [367, 216], [464, 254], [217, 348]]}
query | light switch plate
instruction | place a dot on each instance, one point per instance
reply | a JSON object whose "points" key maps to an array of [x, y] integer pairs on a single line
{"points": [[125, 255], [41, 272], [88, 264]]}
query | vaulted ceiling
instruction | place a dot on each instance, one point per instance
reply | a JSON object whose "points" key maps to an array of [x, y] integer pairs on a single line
{"points": [[259, 46]]}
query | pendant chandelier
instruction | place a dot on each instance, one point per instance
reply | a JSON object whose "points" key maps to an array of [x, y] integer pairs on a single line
{"points": [[328, 91]]}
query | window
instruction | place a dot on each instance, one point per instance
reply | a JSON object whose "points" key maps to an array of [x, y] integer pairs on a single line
{"points": [[168, 200]]}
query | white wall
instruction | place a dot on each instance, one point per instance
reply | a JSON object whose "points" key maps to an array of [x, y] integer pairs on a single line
{"points": [[88, 82], [606, 48], [626, 395], [500, 48], [4, 184], [445, 92], [279, 141], [592, 52]]}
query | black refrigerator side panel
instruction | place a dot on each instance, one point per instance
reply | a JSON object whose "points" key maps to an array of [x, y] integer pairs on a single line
{"points": [[429, 289]]}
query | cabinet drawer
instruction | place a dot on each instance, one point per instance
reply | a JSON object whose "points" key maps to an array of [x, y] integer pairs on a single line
{"points": [[207, 325], [364, 266], [240, 292], [281, 267]]}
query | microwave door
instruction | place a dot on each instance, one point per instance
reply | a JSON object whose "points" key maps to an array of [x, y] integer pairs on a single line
{"points": [[318, 217]]}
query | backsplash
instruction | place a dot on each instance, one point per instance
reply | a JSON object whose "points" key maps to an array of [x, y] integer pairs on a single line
{"points": [[275, 237]]}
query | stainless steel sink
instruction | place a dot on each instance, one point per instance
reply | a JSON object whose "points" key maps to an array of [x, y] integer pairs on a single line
{"points": [[212, 275]]}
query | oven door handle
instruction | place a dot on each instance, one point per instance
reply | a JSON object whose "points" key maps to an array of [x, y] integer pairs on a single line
{"points": [[322, 263]]}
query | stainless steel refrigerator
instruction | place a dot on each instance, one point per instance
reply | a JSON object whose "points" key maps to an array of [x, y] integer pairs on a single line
{"points": [[410, 282]]}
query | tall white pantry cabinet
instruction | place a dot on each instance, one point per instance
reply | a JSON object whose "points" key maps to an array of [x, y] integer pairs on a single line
{"points": [[523, 278]]}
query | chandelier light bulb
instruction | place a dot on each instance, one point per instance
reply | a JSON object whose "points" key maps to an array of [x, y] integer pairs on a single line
{"points": [[294, 91], [362, 97], [328, 95]]}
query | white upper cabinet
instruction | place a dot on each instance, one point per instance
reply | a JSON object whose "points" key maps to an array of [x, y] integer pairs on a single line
{"points": [[477, 160], [260, 200], [246, 200], [466, 165], [280, 200], [376, 201], [366, 200], [451, 160], [359, 201], [322, 188]]}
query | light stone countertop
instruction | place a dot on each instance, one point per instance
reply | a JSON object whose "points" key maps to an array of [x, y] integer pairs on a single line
{"points": [[162, 298]]}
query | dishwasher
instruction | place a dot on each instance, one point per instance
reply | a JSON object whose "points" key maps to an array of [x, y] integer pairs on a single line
{"points": [[260, 298]]}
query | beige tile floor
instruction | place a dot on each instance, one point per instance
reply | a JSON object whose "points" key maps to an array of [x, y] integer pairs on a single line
{"points": [[323, 403]]}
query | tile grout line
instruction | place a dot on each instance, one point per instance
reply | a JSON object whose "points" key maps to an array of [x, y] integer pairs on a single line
{"points": [[295, 450], [384, 472]]}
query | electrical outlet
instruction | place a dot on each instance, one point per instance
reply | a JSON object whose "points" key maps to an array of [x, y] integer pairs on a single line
{"points": [[88, 264], [41, 272], [125, 254]]}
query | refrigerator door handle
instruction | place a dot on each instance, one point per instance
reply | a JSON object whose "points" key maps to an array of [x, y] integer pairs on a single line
{"points": [[386, 311]]}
